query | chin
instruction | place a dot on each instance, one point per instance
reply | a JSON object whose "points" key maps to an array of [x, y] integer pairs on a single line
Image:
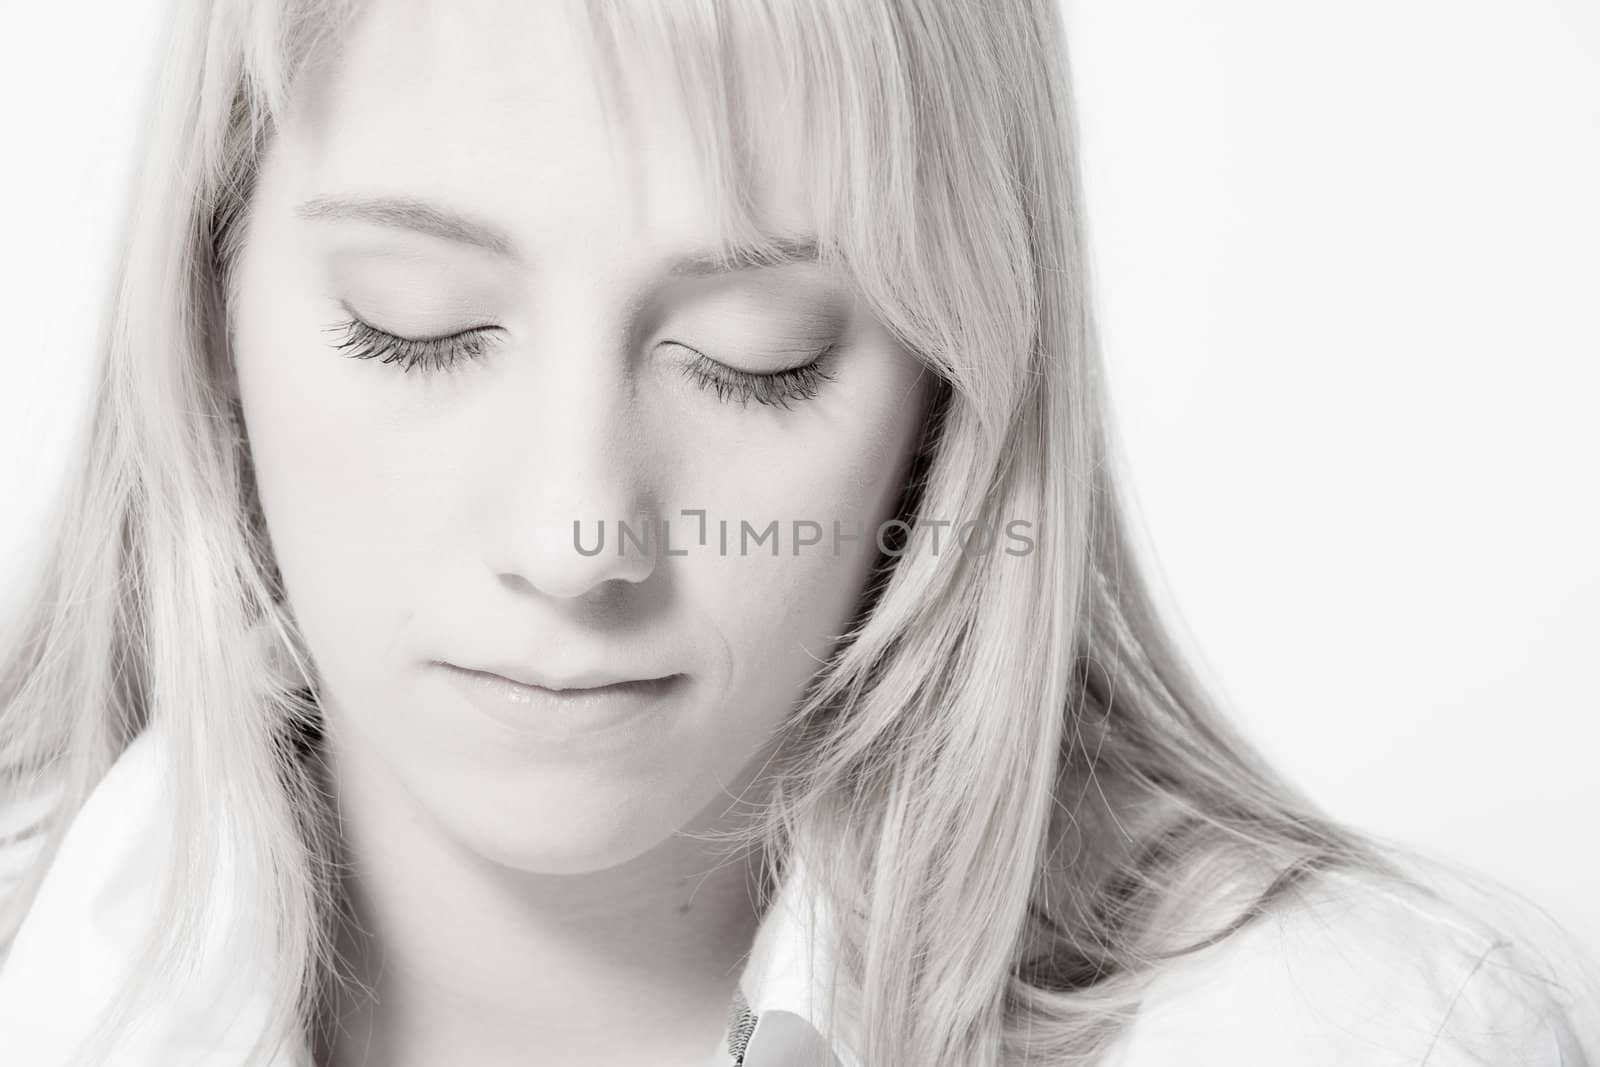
{"points": [[566, 823]]}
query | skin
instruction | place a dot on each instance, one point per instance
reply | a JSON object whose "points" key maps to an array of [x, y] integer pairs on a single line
{"points": [[517, 894]]}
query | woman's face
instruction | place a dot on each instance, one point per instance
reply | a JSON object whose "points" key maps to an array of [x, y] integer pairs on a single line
{"points": [[453, 175]]}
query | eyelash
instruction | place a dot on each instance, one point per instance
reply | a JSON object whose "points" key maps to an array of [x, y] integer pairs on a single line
{"points": [[431, 354], [361, 340], [780, 389]]}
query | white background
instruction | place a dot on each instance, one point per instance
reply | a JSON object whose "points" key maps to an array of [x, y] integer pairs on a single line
{"points": [[1348, 260], [1349, 266]]}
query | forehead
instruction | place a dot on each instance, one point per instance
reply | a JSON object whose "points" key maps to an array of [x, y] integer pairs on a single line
{"points": [[515, 111]]}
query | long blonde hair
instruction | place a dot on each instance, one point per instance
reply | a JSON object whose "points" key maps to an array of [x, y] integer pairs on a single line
{"points": [[1017, 798]]}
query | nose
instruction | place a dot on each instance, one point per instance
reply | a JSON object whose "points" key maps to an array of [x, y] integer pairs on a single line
{"points": [[572, 498]]}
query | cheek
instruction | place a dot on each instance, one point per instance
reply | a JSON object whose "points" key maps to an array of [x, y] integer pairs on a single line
{"points": [[347, 492], [834, 471]]}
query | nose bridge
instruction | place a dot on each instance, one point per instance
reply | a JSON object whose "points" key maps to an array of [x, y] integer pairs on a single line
{"points": [[571, 460]]}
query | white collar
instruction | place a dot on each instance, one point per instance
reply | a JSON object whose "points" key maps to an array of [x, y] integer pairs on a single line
{"points": [[79, 936]]}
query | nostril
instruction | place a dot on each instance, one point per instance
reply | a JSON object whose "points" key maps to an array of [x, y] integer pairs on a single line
{"points": [[580, 562]]}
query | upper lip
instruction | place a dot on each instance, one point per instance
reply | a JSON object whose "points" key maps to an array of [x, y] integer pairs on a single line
{"points": [[591, 678]]}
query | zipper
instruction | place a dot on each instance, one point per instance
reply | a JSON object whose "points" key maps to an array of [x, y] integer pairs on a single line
{"points": [[741, 1024]]}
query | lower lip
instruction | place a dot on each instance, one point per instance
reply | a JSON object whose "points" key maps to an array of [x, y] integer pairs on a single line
{"points": [[563, 715]]}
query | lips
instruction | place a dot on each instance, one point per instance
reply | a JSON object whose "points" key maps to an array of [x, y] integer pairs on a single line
{"points": [[597, 678], [572, 714], [576, 686]]}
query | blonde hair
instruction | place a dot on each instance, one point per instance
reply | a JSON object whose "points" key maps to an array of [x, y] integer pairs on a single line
{"points": [[1018, 800]]}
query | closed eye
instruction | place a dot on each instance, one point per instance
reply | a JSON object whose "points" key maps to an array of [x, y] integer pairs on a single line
{"points": [[361, 340], [777, 389]]}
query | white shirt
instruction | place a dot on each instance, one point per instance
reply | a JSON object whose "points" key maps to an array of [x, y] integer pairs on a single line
{"points": [[1353, 976], [1362, 980]]}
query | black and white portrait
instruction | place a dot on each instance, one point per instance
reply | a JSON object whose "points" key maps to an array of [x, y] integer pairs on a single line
{"points": [[799, 533]]}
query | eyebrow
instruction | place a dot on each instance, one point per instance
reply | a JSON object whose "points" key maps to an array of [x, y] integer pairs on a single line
{"points": [[419, 216], [405, 214]]}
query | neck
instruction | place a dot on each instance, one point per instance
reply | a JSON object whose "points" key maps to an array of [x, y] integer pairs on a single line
{"points": [[455, 958]]}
